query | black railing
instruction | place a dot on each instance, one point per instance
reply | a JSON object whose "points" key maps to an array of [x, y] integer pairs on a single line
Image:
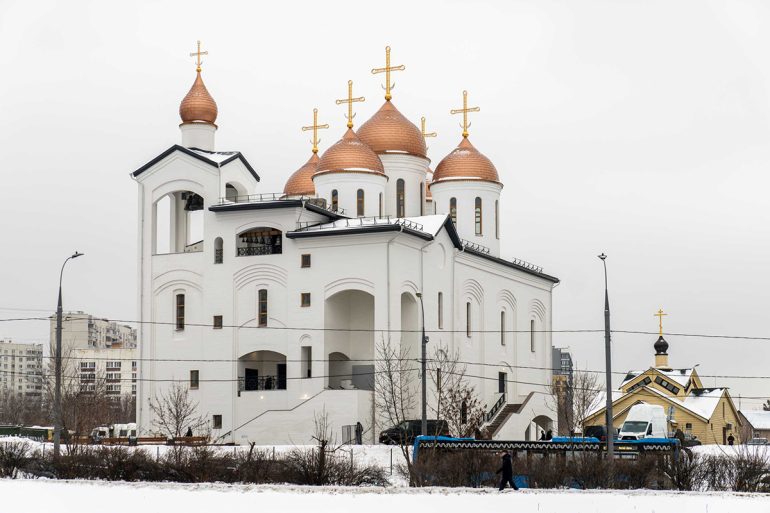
{"points": [[259, 250], [249, 384], [496, 407]]}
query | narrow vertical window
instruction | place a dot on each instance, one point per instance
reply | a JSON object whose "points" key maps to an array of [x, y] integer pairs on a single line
{"points": [[422, 199], [262, 308], [400, 198], [179, 312], [497, 219], [194, 381], [532, 335], [304, 299], [360, 203], [380, 204], [477, 214], [502, 328], [217, 422], [441, 310], [305, 260], [453, 210], [335, 200], [218, 251], [468, 319], [217, 322]]}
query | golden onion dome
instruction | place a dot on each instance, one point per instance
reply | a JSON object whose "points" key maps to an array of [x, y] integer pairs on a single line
{"points": [[198, 106], [300, 183], [465, 163], [349, 154], [388, 131]]}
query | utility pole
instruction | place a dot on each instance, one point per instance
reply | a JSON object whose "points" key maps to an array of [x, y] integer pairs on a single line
{"points": [[608, 367], [424, 343], [57, 387]]}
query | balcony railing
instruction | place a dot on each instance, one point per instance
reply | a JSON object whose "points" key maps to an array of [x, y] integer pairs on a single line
{"points": [[259, 250], [279, 196], [261, 383]]}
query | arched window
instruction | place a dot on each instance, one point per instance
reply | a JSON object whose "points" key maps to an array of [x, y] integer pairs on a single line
{"points": [[335, 200], [262, 308], [440, 311], [477, 213], [497, 219], [468, 319], [400, 198], [453, 210], [360, 202], [218, 251], [502, 328], [532, 335], [180, 312], [380, 204]]}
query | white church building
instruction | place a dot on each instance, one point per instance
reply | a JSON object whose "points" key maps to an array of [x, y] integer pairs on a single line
{"points": [[270, 306]]}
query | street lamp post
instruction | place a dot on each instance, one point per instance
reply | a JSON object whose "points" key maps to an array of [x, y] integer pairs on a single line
{"points": [[608, 366], [424, 343], [57, 387]]}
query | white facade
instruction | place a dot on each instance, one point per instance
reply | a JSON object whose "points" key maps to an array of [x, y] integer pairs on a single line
{"points": [[21, 368], [269, 307]]}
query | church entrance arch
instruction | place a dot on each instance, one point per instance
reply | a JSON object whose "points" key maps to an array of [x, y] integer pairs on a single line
{"points": [[262, 370], [349, 340]]}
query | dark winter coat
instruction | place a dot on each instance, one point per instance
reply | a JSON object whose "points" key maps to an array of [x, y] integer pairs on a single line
{"points": [[507, 468]]}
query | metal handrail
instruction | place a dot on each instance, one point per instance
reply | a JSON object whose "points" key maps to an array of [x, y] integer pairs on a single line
{"points": [[278, 196], [362, 221], [496, 408]]}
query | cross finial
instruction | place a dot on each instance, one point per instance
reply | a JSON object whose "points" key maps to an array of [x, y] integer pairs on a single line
{"points": [[387, 69], [197, 55], [422, 129], [315, 127], [465, 110], [350, 101], [660, 316]]}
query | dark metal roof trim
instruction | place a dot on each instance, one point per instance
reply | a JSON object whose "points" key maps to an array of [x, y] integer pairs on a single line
{"points": [[236, 155]]}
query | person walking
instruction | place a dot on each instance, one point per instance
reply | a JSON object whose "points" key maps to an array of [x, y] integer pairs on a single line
{"points": [[359, 433], [507, 472]]}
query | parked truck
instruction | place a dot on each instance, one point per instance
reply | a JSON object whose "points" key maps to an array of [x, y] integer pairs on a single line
{"points": [[644, 421]]}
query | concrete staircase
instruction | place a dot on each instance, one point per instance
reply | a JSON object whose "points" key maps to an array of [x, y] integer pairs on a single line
{"points": [[499, 419]]}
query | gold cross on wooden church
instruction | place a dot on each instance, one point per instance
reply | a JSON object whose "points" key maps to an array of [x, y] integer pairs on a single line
{"points": [[465, 110], [315, 127], [387, 69], [198, 56], [424, 133], [350, 101], [660, 316]]}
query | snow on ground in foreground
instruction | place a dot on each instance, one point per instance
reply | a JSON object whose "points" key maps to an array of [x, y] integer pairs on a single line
{"points": [[44, 496]]}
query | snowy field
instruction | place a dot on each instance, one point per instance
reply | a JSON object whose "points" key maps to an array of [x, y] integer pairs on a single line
{"points": [[44, 496]]}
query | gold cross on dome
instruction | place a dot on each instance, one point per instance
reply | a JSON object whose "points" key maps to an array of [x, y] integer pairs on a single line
{"points": [[315, 127], [422, 129], [465, 110], [660, 316], [387, 69], [197, 55], [350, 100]]}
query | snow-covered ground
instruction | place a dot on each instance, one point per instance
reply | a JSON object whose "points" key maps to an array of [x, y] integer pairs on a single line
{"points": [[44, 496]]}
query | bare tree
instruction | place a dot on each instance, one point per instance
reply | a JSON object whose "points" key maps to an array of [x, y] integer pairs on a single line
{"points": [[174, 412], [456, 400], [572, 400], [395, 381]]}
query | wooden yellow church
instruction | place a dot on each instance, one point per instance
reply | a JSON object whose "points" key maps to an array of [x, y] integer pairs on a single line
{"points": [[707, 414]]}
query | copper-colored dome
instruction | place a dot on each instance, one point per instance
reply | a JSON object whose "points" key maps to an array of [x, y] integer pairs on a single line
{"points": [[198, 106], [388, 131], [351, 155], [465, 163], [300, 183]]}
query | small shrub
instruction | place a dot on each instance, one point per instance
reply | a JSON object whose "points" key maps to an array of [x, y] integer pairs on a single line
{"points": [[14, 456]]}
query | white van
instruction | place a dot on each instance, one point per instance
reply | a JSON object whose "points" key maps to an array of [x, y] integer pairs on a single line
{"points": [[644, 421]]}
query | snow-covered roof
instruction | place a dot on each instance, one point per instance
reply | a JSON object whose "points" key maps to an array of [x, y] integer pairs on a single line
{"points": [[679, 376], [758, 419], [702, 401], [213, 158], [216, 156]]}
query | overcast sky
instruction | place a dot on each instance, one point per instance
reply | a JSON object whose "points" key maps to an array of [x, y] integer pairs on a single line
{"points": [[641, 129]]}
